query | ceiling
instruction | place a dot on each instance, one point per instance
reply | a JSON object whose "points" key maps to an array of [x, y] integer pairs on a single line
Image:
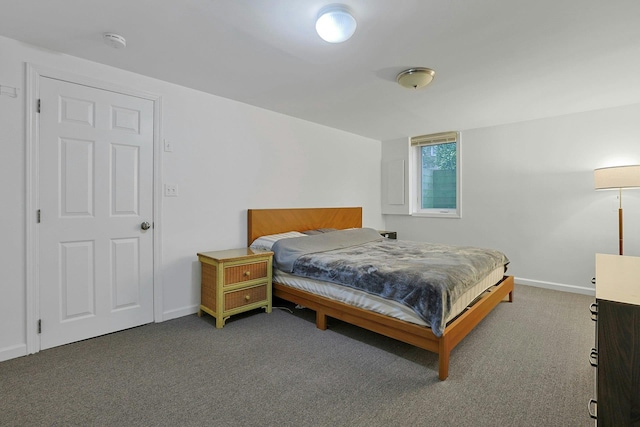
{"points": [[496, 61]]}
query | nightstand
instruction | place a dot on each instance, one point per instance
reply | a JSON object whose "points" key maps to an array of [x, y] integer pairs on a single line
{"points": [[388, 234], [234, 281]]}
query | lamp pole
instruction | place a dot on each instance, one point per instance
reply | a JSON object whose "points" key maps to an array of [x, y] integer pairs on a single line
{"points": [[620, 221]]}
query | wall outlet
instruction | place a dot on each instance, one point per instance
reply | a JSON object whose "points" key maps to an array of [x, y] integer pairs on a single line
{"points": [[171, 190]]}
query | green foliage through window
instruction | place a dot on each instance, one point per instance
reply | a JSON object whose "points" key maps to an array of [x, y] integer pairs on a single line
{"points": [[439, 176], [446, 156]]}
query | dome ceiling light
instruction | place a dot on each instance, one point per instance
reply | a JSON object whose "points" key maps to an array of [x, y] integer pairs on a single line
{"points": [[415, 78], [335, 24]]}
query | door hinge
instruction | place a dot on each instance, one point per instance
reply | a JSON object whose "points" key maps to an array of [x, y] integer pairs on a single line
{"points": [[38, 216], [39, 326], [38, 108]]}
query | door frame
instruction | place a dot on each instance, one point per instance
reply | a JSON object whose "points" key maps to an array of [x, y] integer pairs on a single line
{"points": [[32, 93]]}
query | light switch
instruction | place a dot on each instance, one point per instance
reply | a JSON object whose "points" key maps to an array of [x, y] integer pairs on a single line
{"points": [[171, 190], [168, 146]]}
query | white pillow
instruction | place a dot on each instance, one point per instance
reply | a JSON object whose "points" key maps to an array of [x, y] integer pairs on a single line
{"points": [[265, 242]]}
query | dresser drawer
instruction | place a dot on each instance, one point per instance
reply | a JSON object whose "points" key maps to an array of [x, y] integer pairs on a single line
{"points": [[245, 272], [244, 297]]}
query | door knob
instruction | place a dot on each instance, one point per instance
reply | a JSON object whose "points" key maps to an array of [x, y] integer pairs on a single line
{"points": [[145, 225]]}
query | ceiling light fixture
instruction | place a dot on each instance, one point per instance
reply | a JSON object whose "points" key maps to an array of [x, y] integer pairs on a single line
{"points": [[335, 24], [415, 78], [116, 41]]}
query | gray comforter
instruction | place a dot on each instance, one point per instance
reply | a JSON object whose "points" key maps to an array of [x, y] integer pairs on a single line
{"points": [[427, 277]]}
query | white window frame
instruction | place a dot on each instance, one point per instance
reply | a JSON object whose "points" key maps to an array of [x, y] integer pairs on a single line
{"points": [[416, 174]]}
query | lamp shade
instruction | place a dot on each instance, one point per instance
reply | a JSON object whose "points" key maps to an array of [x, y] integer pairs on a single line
{"points": [[617, 177]]}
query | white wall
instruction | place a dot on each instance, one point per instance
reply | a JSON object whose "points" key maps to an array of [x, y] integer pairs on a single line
{"points": [[527, 189], [227, 157]]}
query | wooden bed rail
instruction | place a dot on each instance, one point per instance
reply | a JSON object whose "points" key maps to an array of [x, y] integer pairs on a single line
{"points": [[410, 333]]}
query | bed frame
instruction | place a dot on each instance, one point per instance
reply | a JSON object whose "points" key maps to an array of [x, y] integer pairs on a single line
{"points": [[261, 222]]}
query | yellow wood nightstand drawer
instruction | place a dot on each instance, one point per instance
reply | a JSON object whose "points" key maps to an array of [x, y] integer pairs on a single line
{"points": [[244, 297], [245, 272]]}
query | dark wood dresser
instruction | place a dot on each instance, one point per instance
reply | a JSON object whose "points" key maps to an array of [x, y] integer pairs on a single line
{"points": [[617, 352]]}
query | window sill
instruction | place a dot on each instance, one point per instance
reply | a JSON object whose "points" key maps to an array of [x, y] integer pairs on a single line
{"points": [[455, 215]]}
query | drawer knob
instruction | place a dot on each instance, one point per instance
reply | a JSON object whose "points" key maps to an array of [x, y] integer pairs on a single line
{"points": [[593, 358], [247, 273], [593, 409], [593, 309], [247, 297]]}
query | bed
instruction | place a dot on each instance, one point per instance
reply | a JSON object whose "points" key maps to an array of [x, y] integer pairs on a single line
{"points": [[263, 222]]}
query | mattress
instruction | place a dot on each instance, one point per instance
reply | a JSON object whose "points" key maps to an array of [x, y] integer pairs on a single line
{"points": [[364, 300]]}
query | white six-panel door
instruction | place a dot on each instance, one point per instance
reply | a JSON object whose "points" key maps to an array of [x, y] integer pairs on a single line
{"points": [[95, 187]]}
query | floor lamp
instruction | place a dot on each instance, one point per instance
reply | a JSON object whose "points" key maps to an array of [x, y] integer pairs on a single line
{"points": [[617, 178]]}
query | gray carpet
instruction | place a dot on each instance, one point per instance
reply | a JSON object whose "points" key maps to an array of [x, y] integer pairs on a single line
{"points": [[524, 365]]}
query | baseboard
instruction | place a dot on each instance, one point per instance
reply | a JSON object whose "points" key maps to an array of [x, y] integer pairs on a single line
{"points": [[556, 286], [13, 352], [180, 312]]}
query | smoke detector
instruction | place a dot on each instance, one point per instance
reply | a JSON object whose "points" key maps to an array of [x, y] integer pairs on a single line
{"points": [[114, 40]]}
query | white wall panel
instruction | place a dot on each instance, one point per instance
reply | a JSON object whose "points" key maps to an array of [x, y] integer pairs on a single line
{"points": [[395, 177], [77, 111], [125, 177], [125, 119], [125, 273], [76, 177], [77, 280]]}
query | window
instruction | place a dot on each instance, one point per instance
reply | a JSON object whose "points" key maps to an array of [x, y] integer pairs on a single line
{"points": [[436, 180]]}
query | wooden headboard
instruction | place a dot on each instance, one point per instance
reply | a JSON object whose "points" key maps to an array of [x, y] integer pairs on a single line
{"points": [[261, 222]]}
